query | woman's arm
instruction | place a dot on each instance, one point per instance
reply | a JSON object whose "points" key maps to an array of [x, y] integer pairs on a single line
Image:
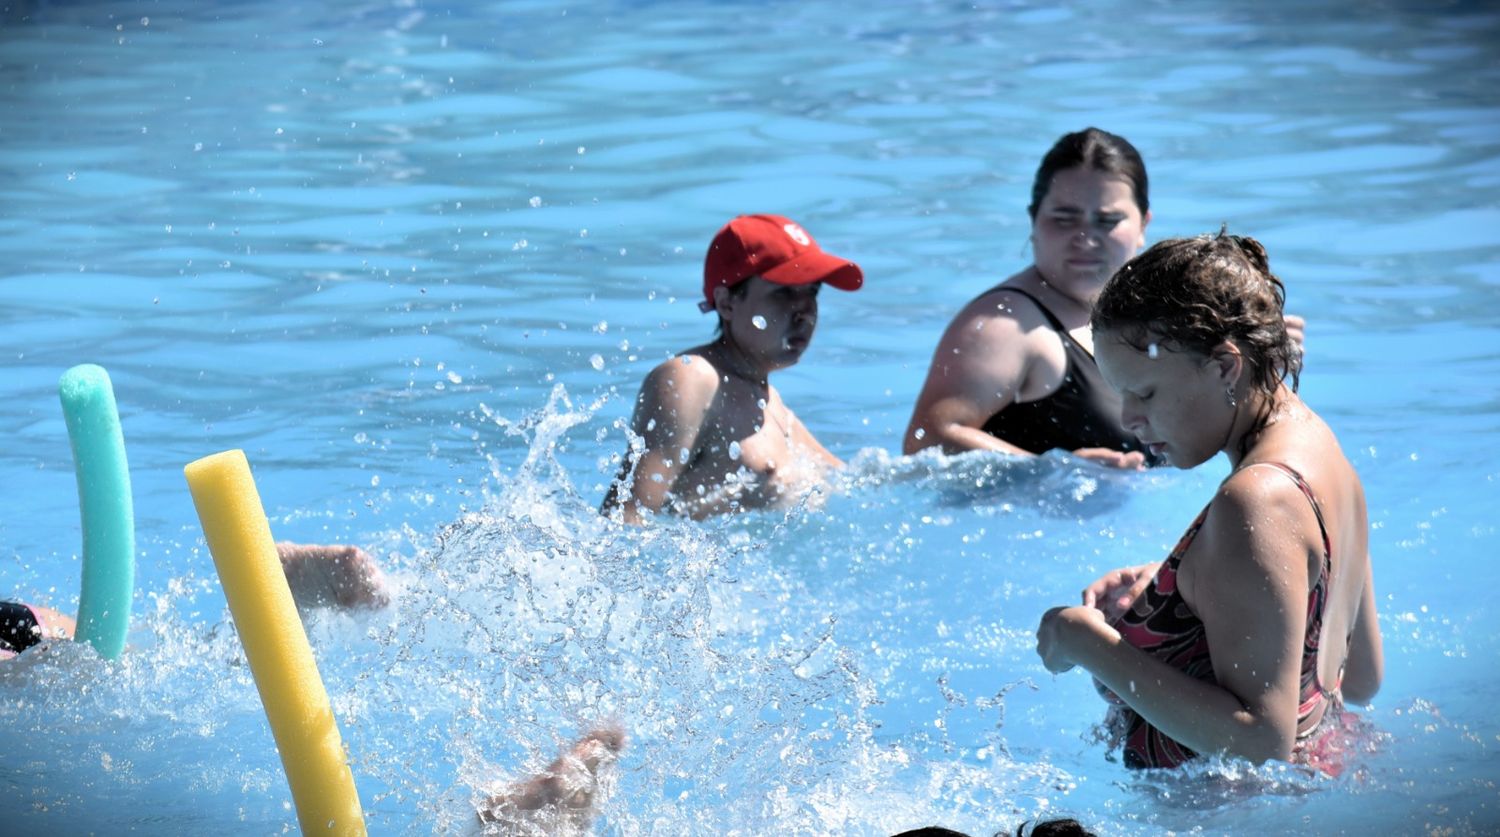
{"points": [[978, 368], [1249, 587], [1365, 666]]}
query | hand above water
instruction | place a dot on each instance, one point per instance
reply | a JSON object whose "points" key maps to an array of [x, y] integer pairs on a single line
{"points": [[1124, 460], [1296, 328], [335, 575], [1114, 592], [1065, 632]]}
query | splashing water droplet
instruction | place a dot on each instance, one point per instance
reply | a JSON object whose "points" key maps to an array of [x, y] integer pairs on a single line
{"points": [[919, 433], [683, 454], [535, 201], [759, 322], [1151, 351], [597, 361], [734, 451]]}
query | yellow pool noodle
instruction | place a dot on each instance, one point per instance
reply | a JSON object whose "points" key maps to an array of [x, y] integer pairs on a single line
{"points": [[296, 703]]}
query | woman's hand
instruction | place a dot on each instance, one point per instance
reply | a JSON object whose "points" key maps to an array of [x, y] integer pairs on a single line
{"points": [[1064, 630], [1114, 592], [1124, 460], [1296, 329]]}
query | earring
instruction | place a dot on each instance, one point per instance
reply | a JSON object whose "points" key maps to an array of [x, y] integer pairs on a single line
{"points": [[1229, 394]]}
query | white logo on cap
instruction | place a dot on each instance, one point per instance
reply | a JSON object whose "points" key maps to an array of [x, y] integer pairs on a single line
{"points": [[797, 234]]}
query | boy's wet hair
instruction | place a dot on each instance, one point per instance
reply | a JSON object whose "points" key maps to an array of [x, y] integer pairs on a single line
{"points": [[736, 291]]}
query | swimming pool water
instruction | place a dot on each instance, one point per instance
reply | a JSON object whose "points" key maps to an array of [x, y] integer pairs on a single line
{"points": [[414, 258]]}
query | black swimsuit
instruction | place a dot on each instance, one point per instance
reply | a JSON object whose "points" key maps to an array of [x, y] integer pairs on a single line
{"points": [[1081, 413], [18, 627]]}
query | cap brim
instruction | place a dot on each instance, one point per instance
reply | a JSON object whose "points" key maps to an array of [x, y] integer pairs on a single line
{"points": [[817, 266]]}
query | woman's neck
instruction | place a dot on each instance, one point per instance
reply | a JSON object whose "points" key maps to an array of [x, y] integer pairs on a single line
{"points": [[1255, 413]]}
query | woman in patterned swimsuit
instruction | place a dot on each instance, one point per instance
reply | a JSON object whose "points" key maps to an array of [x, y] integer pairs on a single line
{"points": [[1261, 622]]}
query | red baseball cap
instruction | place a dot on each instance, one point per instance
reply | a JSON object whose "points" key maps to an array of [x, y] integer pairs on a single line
{"points": [[776, 249]]}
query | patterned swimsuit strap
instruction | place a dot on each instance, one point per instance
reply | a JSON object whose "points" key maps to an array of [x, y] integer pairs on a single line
{"points": [[1311, 499]]}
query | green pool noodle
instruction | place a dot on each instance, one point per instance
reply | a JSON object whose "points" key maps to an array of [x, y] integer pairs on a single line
{"points": [[105, 507]]}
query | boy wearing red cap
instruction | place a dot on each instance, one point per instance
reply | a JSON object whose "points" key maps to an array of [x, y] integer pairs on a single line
{"points": [[715, 436]]}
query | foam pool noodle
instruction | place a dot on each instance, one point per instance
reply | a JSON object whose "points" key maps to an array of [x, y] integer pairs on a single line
{"points": [[291, 690], [105, 508]]}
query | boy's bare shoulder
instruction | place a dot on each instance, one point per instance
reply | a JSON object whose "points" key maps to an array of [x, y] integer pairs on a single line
{"points": [[685, 377]]}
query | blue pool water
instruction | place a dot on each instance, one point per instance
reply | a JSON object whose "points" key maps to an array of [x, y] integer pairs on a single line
{"points": [[414, 259]]}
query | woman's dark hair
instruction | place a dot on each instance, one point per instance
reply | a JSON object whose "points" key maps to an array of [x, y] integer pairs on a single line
{"points": [[1193, 294], [1097, 150]]}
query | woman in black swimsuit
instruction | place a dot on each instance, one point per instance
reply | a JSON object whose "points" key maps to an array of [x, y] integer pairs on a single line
{"points": [[1015, 370]]}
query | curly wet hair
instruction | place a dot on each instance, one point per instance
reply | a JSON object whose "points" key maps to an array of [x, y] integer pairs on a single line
{"points": [[1194, 293]]}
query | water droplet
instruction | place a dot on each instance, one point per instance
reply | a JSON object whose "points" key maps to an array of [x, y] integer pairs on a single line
{"points": [[375, 481], [683, 454], [919, 433], [454, 377], [535, 201], [596, 361], [759, 322], [581, 149], [734, 451], [1151, 351]]}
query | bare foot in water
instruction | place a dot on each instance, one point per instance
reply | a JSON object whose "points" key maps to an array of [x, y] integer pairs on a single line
{"points": [[560, 797], [332, 576]]}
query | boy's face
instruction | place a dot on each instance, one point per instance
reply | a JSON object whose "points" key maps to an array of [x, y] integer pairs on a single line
{"points": [[771, 322]]}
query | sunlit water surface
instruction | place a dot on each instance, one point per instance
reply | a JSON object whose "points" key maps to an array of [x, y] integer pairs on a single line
{"points": [[415, 258]]}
